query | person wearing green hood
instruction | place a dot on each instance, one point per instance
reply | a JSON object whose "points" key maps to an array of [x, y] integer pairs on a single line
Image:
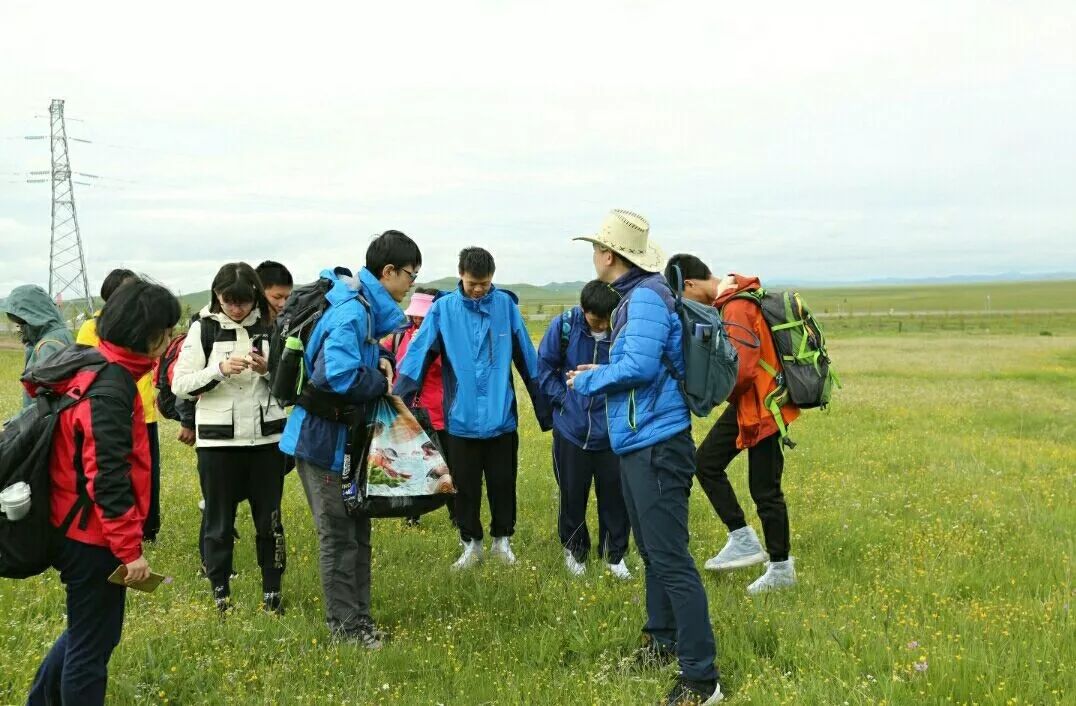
{"points": [[41, 325]]}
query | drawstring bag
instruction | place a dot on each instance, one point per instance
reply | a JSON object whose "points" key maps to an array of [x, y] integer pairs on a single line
{"points": [[401, 469]]}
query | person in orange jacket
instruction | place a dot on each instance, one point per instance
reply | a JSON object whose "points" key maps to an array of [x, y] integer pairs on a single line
{"points": [[745, 423]]}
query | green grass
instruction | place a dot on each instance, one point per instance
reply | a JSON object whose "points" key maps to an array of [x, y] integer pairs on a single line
{"points": [[932, 506]]}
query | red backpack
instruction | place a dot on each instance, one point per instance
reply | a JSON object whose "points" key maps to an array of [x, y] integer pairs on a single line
{"points": [[164, 370]]}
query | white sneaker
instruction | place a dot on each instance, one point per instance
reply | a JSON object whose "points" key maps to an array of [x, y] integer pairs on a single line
{"points": [[502, 550], [472, 555], [779, 574], [620, 570], [575, 568], [742, 549]]}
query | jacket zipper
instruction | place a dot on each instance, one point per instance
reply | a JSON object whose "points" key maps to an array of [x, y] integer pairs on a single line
{"points": [[590, 404]]}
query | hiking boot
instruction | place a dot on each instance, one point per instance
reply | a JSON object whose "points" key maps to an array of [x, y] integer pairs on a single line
{"points": [[742, 549], [620, 570], [779, 574], [273, 602], [686, 692], [368, 625], [362, 637], [472, 555], [502, 550], [222, 598], [574, 566]]}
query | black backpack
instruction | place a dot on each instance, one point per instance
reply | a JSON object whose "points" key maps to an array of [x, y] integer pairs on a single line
{"points": [[300, 315], [28, 546]]}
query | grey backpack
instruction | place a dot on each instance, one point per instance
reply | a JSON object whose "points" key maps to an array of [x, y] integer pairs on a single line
{"points": [[711, 363]]}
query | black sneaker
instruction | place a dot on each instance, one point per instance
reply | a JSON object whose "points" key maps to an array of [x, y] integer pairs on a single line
{"points": [[686, 692], [361, 637], [369, 626], [273, 602], [222, 598], [413, 521]]}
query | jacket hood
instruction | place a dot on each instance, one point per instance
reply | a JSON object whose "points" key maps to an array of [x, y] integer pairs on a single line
{"points": [[33, 305], [58, 373], [744, 283]]}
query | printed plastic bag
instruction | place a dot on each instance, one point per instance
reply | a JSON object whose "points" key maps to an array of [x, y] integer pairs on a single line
{"points": [[403, 471]]}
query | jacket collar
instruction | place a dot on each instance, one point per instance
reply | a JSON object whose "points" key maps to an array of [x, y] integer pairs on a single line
{"points": [[630, 279], [226, 322], [137, 364], [480, 305], [388, 316]]}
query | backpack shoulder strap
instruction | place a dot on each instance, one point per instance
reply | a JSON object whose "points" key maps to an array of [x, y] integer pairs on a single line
{"points": [[209, 328], [567, 318]]}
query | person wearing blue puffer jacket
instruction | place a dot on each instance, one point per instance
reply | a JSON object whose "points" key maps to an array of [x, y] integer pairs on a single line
{"points": [[650, 429], [581, 452], [349, 370], [479, 334]]}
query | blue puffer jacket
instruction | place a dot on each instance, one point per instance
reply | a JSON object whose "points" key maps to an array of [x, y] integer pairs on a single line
{"points": [[645, 404], [478, 341], [342, 356], [581, 420]]}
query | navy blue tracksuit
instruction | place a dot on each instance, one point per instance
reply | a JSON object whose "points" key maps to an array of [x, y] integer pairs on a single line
{"points": [[581, 452]]}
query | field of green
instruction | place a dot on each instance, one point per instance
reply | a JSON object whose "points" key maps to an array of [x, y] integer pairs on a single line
{"points": [[934, 530]]}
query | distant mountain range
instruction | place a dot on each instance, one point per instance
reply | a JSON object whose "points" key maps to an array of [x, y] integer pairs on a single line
{"points": [[563, 292]]}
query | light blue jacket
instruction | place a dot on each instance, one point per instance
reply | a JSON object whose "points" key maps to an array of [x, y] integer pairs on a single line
{"points": [[645, 406], [342, 356], [478, 341]]}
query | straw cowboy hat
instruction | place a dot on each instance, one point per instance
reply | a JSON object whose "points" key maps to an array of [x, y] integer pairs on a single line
{"points": [[628, 235]]}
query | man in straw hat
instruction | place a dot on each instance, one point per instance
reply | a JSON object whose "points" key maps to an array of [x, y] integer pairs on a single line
{"points": [[650, 429]]}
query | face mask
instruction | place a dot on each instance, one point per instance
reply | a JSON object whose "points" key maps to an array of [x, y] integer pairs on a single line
{"points": [[22, 334]]}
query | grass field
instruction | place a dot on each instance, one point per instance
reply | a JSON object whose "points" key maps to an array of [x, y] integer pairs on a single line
{"points": [[933, 526]]}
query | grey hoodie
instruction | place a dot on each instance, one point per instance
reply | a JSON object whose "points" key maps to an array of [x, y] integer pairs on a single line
{"points": [[45, 332]]}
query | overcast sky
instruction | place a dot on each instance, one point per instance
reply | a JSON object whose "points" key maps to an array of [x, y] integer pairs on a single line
{"points": [[811, 141]]}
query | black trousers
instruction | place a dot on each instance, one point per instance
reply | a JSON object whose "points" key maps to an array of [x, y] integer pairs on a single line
{"points": [[497, 460], [153, 518], [75, 671], [575, 469], [765, 465], [230, 475]]}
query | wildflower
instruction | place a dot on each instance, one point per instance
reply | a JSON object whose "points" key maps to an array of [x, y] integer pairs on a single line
{"points": [[921, 666], [913, 644]]}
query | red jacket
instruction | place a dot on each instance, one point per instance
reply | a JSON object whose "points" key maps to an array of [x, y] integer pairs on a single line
{"points": [[432, 395], [753, 383], [102, 438]]}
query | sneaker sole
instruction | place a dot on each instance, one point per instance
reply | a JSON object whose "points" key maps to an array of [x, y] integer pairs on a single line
{"points": [[737, 563], [717, 696]]}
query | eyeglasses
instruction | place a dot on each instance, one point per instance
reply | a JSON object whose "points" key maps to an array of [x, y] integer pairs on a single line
{"points": [[412, 275]]}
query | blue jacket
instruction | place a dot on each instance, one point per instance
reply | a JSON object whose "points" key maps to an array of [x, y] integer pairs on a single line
{"points": [[478, 341], [342, 356], [645, 404], [581, 420]]}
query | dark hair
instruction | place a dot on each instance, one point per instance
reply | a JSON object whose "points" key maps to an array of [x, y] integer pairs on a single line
{"points": [[690, 266], [392, 248], [599, 299], [114, 281], [237, 282], [343, 271], [137, 315], [477, 262], [273, 274]]}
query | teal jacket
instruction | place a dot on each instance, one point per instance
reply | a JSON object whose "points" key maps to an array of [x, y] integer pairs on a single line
{"points": [[45, 332]]}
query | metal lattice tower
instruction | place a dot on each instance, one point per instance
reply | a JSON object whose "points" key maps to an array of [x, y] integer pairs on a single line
{"points": [[67, 263]]}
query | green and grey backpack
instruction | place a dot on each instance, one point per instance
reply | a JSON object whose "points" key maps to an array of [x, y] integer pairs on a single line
{"points": [[806, 378]]}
